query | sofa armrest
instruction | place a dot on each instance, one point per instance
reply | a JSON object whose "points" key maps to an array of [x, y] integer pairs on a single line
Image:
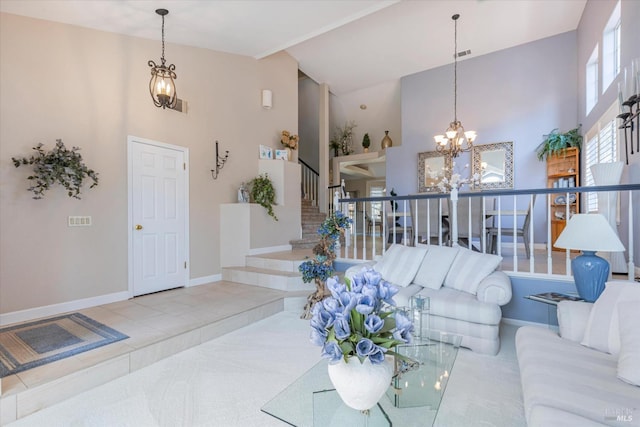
{"points": [[495, 288], [572, 319]]}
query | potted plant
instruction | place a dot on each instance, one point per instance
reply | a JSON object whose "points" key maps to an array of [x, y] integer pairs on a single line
{"points": [[344, 137], [366, 142], [263, 193], [320, 268], [335, 146], [59, 165], [357, 326], [556, 142]]}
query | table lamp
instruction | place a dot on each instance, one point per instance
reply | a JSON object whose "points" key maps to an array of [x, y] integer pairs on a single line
{"points": [[589, 233]]}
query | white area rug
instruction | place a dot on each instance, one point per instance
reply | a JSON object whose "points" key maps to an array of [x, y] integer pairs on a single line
{"points": [[226, 381]]}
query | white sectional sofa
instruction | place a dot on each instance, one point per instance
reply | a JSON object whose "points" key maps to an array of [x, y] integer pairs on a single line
{"points": [[589, 373], [464, 287]]}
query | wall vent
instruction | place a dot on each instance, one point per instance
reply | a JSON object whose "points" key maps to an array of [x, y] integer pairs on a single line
{"points": [[79, 221]]}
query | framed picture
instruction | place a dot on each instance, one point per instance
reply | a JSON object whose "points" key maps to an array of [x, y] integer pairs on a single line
{"points": [[282, 155], [266, 152], [431, 169], [494, 165]]}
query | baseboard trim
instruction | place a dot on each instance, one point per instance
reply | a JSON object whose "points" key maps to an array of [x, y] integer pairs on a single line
{"points": [[54, 309], [269, 249], [518, 322], [204, 280]]}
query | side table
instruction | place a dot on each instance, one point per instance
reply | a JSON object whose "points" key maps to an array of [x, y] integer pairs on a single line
{"points": [[552, 299]]}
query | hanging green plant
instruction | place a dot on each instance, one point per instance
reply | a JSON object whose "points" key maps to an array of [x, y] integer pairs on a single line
{"points": [[263, 193], [60, 165], [555, 142]]}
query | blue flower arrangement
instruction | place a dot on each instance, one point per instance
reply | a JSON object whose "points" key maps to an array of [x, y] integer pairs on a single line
{"points": [[320, 268], [358, 319]]}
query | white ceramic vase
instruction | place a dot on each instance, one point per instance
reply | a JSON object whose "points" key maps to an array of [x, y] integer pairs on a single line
{"points": [[360, 385]]}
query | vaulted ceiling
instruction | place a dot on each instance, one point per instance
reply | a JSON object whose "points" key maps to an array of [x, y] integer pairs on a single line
{"points": [[348, 44]]}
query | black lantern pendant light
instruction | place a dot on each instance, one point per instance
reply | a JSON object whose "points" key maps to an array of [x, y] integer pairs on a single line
{"points": [[455, 140], [162, 85]]}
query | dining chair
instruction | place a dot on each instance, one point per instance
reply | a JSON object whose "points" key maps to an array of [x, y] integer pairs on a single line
{"points": [[395, 227], [492, 232], [370, 223], [430, 227], [466, 234]]}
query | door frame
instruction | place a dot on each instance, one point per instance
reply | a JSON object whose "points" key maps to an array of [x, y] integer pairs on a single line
{"points": [[131, 140]]}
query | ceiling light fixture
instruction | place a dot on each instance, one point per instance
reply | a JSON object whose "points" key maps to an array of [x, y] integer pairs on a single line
{"points": [[456, 139], [162, 86]]}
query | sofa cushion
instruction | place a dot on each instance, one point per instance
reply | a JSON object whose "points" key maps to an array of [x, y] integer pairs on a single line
{"points": [[629, 357], [435, 266], [400, 264], [565, 375], [447, 302], [469, 268], [602, 331]]}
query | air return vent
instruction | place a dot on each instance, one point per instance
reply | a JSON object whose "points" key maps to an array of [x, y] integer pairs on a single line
{"points": [[79, 221]]}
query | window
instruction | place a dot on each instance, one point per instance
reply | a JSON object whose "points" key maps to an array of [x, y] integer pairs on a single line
{"points": [[592, 80], [601, 147], [377, 190], [611, 49]]}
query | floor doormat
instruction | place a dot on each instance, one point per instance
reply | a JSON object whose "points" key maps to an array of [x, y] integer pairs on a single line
{"points": [[37, 343]]}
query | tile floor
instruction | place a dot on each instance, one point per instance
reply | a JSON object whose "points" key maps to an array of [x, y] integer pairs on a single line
{"points": [[158, 325]]}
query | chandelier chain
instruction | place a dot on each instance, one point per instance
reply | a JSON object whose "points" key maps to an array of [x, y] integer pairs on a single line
{"points": [[455, 71], [162, 57]]}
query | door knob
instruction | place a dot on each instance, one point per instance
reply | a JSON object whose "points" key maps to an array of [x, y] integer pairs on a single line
{"points": [[138, 227]]}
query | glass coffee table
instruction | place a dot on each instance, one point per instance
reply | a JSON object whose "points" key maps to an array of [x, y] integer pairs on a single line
{"points": [[412, 400]]}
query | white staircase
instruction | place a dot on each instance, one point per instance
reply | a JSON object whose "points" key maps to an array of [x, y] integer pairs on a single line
{"points": [[278, 270]]}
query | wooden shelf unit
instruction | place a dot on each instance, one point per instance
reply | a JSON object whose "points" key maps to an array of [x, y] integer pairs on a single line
{"points": [[563, 172]]}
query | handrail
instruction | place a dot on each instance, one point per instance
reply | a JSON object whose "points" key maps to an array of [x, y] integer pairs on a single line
{"points": [[309, 182], [595, 188], [364, 243], [308, 167]]}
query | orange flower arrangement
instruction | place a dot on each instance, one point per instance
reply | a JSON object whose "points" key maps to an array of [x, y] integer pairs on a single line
{"points": [[288, 140]]}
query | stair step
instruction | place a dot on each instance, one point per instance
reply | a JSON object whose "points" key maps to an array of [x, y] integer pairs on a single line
{"points": [[307, 242], [284, 265], [266, 278]]}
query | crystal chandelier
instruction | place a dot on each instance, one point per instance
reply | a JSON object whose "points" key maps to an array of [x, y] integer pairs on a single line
{"points": [[162, 86], [455, 140]]}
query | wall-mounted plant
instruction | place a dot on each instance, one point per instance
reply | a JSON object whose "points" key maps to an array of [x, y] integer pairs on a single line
{"points": [[555, 142], [263, 193], [60, 165]]}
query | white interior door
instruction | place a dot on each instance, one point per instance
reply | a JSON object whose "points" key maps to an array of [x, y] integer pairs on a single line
{"points": [[158, 216]]}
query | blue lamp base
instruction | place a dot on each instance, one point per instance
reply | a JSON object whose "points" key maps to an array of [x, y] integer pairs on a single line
{"points": [[590, 272]]}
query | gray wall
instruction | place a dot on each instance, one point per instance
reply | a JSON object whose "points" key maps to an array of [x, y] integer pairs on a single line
{"points": [[517, 94], [594, 19], [308, 121]]}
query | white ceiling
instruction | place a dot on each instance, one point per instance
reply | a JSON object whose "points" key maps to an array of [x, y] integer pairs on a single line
{"points": [[348, 44]]}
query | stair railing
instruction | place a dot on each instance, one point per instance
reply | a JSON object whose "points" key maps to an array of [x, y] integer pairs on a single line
{"points": [[309, 182]]}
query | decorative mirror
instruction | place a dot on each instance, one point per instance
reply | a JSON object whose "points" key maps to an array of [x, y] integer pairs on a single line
{"points": [[431, 170], [494, 165]]}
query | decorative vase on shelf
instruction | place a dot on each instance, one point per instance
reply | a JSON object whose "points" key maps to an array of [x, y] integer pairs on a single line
{"points": [[289, 154], [360, 385], [386, 141]]}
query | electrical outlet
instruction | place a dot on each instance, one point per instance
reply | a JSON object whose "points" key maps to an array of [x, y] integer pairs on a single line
{"points": [[79, 221]]}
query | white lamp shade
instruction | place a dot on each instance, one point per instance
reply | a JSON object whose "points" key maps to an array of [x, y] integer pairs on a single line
{"points": [[589, 232]]}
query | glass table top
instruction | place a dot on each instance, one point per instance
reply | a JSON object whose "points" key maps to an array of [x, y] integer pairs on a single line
{"points": [[412, 400]]}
